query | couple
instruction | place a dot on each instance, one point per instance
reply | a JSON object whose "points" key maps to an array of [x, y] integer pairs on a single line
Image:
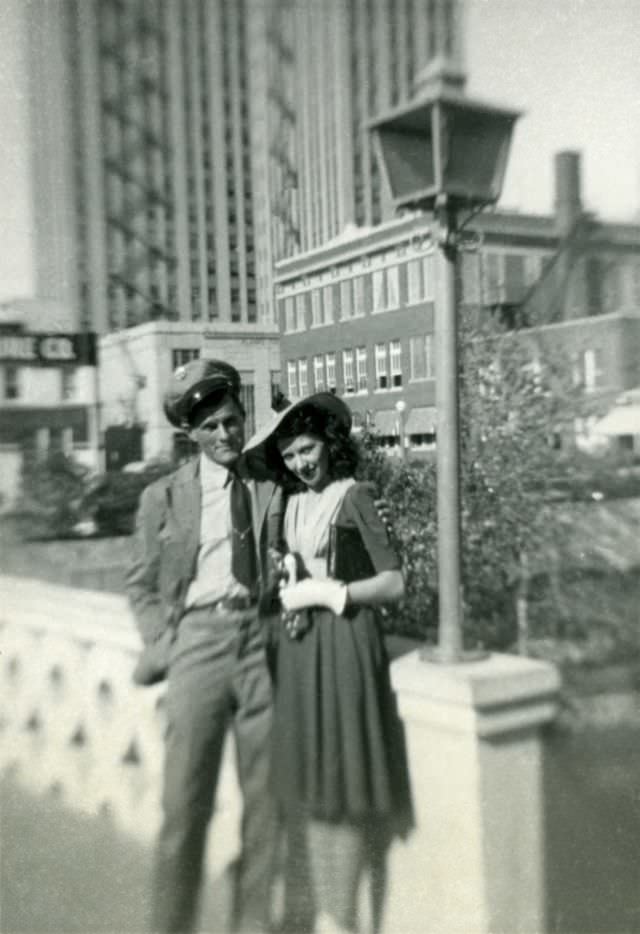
{"points": [[313, 728]]}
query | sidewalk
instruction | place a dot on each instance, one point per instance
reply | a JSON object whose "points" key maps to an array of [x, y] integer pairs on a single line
{"points": [[62, 872]]}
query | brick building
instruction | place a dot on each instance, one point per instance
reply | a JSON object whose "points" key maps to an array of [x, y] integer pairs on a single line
{"points": [[357, 315]]}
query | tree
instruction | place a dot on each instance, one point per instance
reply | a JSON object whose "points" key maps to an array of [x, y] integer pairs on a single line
{"points": [[51, 494], [515, 398]]}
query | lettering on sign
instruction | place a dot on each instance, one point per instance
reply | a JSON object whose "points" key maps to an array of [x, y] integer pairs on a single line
{"points": [[57, 348], [49, 349], [18, 348]]}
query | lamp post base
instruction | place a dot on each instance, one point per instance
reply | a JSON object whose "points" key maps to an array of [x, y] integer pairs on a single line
{"points": [[436, 655], [475, 861]]}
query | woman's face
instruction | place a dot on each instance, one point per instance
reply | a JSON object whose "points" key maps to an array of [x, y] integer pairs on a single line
{"points": [[307, 457]]}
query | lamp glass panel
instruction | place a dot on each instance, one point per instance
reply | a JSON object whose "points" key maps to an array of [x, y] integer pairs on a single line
{"points": [[474, 153], [408, 157]]}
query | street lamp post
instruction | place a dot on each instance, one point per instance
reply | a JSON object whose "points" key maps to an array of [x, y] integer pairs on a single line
{"points": [[401, 407], [445, 152]]}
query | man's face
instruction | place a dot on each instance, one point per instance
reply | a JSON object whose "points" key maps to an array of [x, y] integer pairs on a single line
{"points": [[218, 430]]}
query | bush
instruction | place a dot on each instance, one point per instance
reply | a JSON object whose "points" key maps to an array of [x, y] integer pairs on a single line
{"points": [[112, 499], [509, 410], [52, 490]]}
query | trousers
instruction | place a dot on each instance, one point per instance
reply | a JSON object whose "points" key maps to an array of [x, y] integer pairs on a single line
{"points": [[218, 679]]}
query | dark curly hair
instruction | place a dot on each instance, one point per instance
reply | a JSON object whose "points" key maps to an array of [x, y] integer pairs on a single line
{"points": [[311, 420]]}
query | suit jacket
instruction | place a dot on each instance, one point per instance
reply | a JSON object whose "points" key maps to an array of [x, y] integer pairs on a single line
{"points": [[165, 551]]}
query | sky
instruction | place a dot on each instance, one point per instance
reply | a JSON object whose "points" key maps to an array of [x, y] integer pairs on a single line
{"points": [[572, 66]]}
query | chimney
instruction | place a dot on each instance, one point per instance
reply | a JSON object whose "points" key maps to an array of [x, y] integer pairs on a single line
{"points": [[568, 206]]}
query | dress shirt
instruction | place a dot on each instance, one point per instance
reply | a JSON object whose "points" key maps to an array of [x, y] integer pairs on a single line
{"points": [[213, 579]]}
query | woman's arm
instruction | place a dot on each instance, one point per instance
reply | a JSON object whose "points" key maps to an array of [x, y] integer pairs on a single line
{"points": [[385, 587]]}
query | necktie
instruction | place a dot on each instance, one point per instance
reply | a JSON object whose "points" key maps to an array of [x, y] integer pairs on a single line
{"points": [[243, 550]]}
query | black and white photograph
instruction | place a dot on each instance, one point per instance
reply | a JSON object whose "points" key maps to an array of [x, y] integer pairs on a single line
{"points": [[319, 466]]}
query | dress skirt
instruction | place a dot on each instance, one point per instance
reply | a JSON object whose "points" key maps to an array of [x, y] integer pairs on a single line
{"points": [[338, 742]]}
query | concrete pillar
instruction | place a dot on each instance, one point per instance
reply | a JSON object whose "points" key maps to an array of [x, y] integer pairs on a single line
{"points": [[474, 863]]}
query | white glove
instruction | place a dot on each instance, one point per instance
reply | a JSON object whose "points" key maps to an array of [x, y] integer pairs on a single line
{"points": [[315, 592]]}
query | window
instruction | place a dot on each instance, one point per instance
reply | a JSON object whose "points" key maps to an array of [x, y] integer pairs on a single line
{"points": [[421, 353], [327, 294], [532, 268], [414, 281], [301, 312], [276, 391], [316, 309], [182, 355], [395, 359], [248, 400], [576, 369], [361, 369], [593, 369], [11, 382], [345, 299], [513, 278], [303, 380], [492, 276], [470, 277], [289, 314], [393, 287], [381, 366], [318, 372], [428, 277], [379, 297], [67, 383], [635, 282], [347, 371], [358, 297], [292, 379], [330, 362]]}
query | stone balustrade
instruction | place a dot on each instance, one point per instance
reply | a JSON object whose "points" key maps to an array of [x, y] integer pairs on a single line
{"points": [[74, 723]]}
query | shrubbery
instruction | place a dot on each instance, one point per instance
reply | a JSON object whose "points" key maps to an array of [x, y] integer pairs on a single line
{"points": [[58, 494], [112, 499], [509, 413], [51, 495]]}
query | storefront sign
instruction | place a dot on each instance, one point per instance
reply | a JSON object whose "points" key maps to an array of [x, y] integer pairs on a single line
{"points": [[49, 349]]}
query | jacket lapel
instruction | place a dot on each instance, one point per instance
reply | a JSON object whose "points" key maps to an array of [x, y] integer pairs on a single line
{"points": [[186, 507]]}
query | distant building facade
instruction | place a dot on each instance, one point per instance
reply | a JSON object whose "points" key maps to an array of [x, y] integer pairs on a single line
{"points": [[357, 316], [145, 160], [332, 66], [48, 393], [136, 365]]}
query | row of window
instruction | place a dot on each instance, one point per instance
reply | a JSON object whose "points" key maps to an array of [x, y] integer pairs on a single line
{"points": [[319, 373], [587, 369], [12, 389], [381, 290]]}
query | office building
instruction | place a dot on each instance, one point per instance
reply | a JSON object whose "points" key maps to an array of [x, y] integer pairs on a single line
{"points": [[332, 66], [357, 316], [144, 161]]}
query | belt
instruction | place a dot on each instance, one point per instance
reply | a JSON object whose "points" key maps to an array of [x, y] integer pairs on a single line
{"points": [[227, 604]]}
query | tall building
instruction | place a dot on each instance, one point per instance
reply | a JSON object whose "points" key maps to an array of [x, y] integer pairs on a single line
{"points": [[143, 119], [358, 315], [332, 67]]}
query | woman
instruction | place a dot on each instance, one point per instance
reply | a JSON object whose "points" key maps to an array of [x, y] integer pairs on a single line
{"points": [[336, 757]]}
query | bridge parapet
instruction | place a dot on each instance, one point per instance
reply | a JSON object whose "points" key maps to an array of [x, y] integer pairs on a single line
{"points": [[72, 720]]}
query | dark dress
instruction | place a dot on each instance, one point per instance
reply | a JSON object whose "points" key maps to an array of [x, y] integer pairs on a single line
{"points": [[338, 747]]}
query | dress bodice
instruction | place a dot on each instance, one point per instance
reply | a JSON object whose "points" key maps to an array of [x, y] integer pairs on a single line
{"points": [[307, 521]]}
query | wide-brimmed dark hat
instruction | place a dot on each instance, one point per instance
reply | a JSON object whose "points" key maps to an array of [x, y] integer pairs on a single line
{"points": [[192, 383], [257, 448]]}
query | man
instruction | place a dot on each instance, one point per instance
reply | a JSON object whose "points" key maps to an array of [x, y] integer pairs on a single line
{"points": [[198, 569]]}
